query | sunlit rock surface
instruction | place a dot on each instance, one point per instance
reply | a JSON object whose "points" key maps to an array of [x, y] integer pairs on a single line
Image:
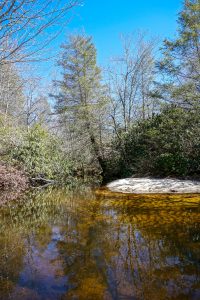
{"points": [[149, 185]]}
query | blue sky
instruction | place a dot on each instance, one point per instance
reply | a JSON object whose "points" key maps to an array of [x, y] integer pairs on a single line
{"points": [[106, 20]]}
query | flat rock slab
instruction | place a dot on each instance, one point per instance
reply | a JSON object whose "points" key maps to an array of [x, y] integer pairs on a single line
{"points": [[154, 186]]}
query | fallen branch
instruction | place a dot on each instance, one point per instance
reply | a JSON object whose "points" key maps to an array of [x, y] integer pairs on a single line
{"points": [[41, 181]]}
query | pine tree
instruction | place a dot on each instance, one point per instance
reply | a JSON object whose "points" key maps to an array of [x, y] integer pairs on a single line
{"points": [[181, 63], [81, 100]]}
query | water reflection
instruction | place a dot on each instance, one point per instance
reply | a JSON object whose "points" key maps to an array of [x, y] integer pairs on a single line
{"points": [[62, 244]]}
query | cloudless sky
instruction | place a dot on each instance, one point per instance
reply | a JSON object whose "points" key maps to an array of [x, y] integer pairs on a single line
{"points": [[105, 20]]}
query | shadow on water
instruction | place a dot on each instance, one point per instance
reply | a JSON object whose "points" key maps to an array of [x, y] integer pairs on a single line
{"points": [[84, 244]]}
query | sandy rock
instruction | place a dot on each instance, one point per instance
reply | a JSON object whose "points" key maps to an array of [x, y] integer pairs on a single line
{"points": [[150, 186]]}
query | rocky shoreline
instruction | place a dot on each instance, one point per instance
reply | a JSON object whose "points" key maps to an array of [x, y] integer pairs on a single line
{"points": [[154, 186]]}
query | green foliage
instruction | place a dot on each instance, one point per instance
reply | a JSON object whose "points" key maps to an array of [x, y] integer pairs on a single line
{"points": [[180, 65], [162, 146], [11, 136], [40, 154], [81, 102]]}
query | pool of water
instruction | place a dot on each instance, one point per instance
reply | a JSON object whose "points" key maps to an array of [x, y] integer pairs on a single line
{"points": [[83, 244]]}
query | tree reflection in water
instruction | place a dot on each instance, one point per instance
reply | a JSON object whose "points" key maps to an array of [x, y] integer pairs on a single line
{"points": [[81, 244]]}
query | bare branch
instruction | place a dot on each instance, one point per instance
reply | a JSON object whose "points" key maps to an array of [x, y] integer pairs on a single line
{"points": [[28, 26]]}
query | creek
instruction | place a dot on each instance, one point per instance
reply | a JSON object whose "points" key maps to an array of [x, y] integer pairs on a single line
{"points": [[94, 244]]}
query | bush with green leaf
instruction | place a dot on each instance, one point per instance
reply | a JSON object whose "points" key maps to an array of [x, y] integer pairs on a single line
{"points": [[166, 145], [40, 154]]}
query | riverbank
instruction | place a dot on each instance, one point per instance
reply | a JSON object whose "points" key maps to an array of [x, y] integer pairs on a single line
{"points": [[152, 185]]}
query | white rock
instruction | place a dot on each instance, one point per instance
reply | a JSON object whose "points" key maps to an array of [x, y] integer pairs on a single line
{"points": [[149, 185]]}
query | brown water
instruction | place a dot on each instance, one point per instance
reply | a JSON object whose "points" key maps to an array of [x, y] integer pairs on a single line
{"points": [[61, 244]]}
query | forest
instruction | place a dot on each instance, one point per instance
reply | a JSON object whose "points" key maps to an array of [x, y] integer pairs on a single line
{"points": [[139, 116]]}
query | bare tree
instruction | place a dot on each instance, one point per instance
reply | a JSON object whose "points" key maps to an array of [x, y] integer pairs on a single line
{"points": [[11, 92], [36, 105], [23, 22], [131, 78]]}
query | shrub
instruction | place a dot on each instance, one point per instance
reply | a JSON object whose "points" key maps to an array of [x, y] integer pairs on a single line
{"points": [[166, 145], [40, 154]]}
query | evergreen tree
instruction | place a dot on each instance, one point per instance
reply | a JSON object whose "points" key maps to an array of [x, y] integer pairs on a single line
{"points": [[181, 63], [81, 101]]}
